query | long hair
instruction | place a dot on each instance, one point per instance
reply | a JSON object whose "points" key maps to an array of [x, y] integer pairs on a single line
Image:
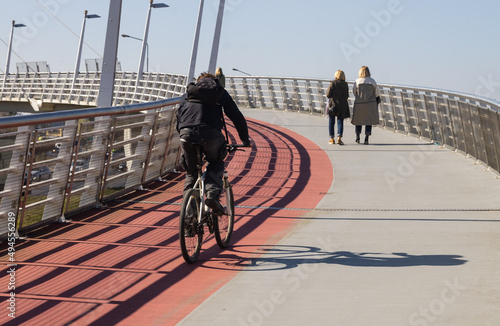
{"points": [[364, 72], [339, 74], [219, 72]]}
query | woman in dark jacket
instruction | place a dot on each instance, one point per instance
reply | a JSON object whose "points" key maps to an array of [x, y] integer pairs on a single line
{"points": [[338, 94]]}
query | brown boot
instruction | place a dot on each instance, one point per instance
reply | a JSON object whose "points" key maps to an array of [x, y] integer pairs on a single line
{"points": [[339, 141]]}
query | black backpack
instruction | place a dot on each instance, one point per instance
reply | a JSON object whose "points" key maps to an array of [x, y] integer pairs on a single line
{"points": [[207, 91]]}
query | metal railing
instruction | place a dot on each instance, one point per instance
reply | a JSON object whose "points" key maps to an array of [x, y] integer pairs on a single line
{"points": [[59, 88], [461, 122], [58, 163]]}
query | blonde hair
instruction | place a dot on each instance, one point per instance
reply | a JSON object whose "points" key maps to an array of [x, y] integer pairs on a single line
{"points": [[339, 74], [364, 72], [219, 71]]}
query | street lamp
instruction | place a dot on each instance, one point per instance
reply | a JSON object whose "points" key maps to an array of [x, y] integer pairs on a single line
{"points": [[9, 50], [80, 45], [145, 38], [251, 97], [246, 73], [147, 49]]}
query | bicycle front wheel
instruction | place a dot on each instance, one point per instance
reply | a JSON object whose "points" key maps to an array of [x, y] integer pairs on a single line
{"points": [[190, 234], [223, 226]]}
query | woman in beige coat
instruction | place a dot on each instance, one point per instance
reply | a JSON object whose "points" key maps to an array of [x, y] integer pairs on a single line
{"points": [[366, 99]]}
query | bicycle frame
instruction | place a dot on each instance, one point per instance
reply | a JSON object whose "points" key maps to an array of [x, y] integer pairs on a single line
{"points": [[200, 186], [218, 223]]}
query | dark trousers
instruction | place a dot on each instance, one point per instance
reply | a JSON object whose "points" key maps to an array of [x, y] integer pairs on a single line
{"points": [[213, 147], [368, 130]]}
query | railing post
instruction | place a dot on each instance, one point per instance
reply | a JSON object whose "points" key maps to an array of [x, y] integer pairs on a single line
{"points": [[321, 97], [232, 90], [495, 122], [272, 94], [284, 94], [167, 144], [246, 91], [258, 90], [418, 125], [152, 140], [432, 133], [309, 95], [297, 100], [440, 108], [452, 124], [392, 97], [12, 194], [405, 110]]}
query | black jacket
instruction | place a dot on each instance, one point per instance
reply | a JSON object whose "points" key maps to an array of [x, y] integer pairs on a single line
{"points": [[204, 104], [339, 92]]}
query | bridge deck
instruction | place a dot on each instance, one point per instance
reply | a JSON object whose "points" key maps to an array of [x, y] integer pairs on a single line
{"points": [[398, 232]]}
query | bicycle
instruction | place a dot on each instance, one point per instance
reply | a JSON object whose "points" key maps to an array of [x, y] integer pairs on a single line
{"points": [[195, 215]]}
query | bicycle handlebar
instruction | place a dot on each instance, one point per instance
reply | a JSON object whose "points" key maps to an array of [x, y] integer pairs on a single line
{"points": [[235, 147]]}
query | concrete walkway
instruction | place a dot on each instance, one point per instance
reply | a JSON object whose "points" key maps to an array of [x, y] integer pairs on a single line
{"points": [[408, 234]]}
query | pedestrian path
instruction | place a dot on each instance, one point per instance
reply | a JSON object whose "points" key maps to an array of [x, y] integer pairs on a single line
{"points": [[398, 232], [408, 234]]}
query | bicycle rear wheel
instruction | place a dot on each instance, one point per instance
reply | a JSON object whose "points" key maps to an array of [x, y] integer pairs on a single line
{"points": [[190, 234], [223, 226]]}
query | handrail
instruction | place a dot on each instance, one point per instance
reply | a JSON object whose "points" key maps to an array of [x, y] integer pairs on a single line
{"points": [[462, 122], [63, 88], [50, 117], [56, 164], [91, 155]]}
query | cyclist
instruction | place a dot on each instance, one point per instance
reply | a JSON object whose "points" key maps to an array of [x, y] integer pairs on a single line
{"points": [[200, 120]]}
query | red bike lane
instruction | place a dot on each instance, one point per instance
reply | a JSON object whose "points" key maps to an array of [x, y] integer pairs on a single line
{"points": [[122, 265]]}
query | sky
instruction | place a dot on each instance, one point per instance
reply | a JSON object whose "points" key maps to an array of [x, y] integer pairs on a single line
{"points": [[444, 44]]}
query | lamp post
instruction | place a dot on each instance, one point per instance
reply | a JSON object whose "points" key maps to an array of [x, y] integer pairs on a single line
{"points": [[246, 73], [9, 50], [147, 48], [145, 38], [251, 98], [80, 44]]}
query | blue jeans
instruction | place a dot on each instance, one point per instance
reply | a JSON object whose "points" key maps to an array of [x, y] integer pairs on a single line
{"points": [[368, 130], [331, 126]]}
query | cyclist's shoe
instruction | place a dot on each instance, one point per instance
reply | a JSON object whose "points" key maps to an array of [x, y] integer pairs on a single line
{"points": [[214, 204]]}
